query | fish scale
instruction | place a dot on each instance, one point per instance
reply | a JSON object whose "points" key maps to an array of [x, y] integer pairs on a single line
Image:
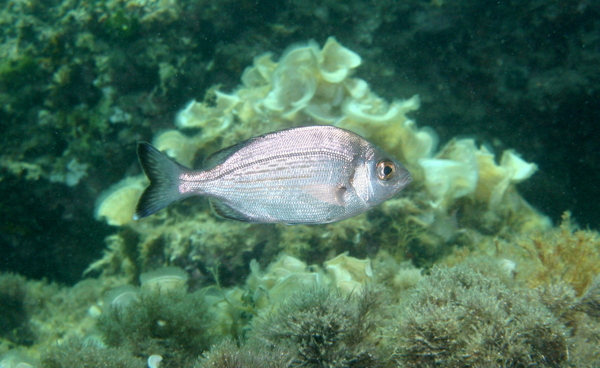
{"points": [[305, 175]]}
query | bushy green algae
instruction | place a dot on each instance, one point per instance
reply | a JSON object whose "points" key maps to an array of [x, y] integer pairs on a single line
{"points": [[322, 328], [14, 73], [315, 327], [473, 314], [460, 317], [174, 324], [121, 25], [76, 353], [14, 323], [229, 355]]}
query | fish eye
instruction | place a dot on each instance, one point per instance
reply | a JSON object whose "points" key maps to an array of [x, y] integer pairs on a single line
{"points": [[385, 169]]}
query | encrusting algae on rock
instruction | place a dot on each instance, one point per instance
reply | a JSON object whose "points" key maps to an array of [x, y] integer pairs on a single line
{"points": [[563, 254], [540, 259]]}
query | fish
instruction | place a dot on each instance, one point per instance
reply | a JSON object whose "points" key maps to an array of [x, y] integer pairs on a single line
{"points": [[304, 175]]}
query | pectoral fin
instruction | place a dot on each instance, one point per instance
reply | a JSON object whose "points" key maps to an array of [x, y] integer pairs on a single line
{"points": [[326, 193]]}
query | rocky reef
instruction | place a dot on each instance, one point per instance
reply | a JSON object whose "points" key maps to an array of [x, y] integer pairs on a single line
{"points": [[459, 270]]}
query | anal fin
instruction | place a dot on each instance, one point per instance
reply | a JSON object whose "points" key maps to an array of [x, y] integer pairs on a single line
{"points": [[224, 210]]}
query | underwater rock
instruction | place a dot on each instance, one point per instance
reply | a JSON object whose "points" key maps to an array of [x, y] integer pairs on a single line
{"points": [[313, 84], [461, 189]]}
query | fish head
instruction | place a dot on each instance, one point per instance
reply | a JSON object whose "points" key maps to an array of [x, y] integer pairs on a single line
{"points": [[381, 177]]}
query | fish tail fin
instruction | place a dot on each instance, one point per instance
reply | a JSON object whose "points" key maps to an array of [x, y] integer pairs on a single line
{"points": [[164, 174]]}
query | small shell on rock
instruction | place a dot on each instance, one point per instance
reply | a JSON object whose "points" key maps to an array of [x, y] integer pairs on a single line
{"points": [[121, 296], [154, 361], [165, 279], [509, 267]]}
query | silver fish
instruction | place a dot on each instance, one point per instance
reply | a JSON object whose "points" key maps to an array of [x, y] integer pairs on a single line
{"points": [[306, 175]]}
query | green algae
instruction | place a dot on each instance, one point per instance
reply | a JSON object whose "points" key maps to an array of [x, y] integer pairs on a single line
{"points": [[16, 73], [323, 328], [460, 317], [122, 25], [76, 353], [174, 324], [15, 310]]}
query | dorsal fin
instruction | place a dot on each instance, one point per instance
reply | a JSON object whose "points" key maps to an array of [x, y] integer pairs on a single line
{"points": [[220, 156]]}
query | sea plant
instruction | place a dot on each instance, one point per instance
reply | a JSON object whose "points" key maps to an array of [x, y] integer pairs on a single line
{"points": [[564, 254], [458, 317], [77, 353], [170, 323], [322, 328]]}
